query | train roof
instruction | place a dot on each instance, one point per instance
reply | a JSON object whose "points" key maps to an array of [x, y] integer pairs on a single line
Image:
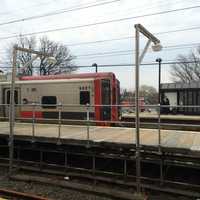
{"points": [[69, 76], [74, 80]]}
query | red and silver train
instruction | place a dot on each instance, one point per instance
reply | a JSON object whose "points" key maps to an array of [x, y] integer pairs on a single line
{"points": [[75, 89]]}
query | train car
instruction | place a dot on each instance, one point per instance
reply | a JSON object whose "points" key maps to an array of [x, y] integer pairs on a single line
{"points": [[76, 89]]}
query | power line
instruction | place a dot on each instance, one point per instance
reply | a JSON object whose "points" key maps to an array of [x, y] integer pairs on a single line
{"points": [[99, 41], [35, 5], [56, 13], [172, 47], [131, 37], [127, 37], [101, 23], [127, 64], [130, 51]]}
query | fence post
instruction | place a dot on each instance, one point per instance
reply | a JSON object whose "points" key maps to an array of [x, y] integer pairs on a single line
{"points": [[159, 132], [33, 122], [59, 122], [88, 124], [159, 145]]}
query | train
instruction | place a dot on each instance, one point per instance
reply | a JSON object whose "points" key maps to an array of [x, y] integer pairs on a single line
{"points": [[49, 91]]}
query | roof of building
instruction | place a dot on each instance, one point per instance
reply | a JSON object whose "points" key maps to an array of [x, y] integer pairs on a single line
{"points": [[180, 85]]}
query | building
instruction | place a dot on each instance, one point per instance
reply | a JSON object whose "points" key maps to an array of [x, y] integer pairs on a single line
{"points": [[187, 94]]}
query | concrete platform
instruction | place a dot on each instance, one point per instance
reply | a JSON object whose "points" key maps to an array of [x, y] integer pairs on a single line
{"points": [[154, 115], [187, 140]]}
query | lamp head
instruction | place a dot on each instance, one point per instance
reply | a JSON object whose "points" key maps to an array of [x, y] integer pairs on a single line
{"points": [[94, 65], [51, 60], [157, 47], [158, 60]]}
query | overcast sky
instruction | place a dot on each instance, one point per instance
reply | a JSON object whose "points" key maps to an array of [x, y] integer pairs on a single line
{"points": [[17, 9]]}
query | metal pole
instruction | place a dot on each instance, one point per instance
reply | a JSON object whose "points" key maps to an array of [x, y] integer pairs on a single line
{"points": [[88, 124], [33, 123], [159, 60], [137, 122], [96, 67], [59, 122], [12, 110]]}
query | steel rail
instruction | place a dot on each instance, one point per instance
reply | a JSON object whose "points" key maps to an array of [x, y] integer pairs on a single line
{"points": [[102, 176], [20, 195]]}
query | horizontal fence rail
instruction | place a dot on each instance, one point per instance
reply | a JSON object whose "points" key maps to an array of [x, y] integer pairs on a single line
{"points": [[88, 120]]}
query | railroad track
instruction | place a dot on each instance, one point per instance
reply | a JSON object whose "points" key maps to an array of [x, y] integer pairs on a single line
{"points": [[11, 194], [114, 185]]}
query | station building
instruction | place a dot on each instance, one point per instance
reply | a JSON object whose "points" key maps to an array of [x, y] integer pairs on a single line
{"points": [[182, 94]]}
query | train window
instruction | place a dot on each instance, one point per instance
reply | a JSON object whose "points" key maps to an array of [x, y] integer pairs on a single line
{"points": [[15, 97], [50, 101], [106, 97], [84, 97]]}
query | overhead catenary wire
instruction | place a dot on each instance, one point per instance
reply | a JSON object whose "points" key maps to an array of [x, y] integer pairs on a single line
{"points": [[171, 47], [129, 37], [40, 5], [99, 23], [130, 51], [56, 12], [124, 64], [24, 8]]}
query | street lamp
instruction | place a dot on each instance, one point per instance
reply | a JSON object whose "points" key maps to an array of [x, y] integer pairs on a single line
{"points": [[96, 67], [12, 92], [138, 59]]}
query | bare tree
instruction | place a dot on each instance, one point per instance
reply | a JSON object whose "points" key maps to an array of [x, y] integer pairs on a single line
{"points": [[188, 67], [22, 57], [64, 59], [149, 93]]}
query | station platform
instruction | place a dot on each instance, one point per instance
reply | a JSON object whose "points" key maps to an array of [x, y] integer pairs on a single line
{"points": [[154, 115], [172, 139]]}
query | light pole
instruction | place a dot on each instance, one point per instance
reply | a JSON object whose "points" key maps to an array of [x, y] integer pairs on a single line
{"points": [[159, 60], [138, 59], [12, 96], [96, 67]]}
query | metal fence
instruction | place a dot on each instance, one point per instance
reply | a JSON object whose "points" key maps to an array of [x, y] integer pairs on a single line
{"points": [[87, 121]]}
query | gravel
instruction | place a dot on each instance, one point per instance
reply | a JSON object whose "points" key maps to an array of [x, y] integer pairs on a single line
{"points": [[58, 193], [51, 192]]}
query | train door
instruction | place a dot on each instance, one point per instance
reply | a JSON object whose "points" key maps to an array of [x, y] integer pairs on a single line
{"points": [[6, 100], [106, 99]]}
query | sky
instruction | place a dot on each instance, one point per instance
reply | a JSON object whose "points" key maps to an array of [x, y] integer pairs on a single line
{"points": [[77, 39]]}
